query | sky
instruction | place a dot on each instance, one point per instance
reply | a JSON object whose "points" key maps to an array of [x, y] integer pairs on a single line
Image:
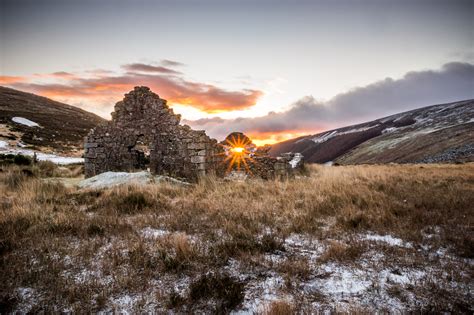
{"points": [[272, 69]]}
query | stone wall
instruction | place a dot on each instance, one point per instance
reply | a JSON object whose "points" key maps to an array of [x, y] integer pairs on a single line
{"points": [[281, 167], [145, 133], [255, 162]]}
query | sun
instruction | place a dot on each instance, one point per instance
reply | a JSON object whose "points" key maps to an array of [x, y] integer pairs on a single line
{"points": [[238, 150]]}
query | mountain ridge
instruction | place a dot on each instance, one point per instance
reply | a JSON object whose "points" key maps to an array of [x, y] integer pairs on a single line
{"points": [[435, 133]]}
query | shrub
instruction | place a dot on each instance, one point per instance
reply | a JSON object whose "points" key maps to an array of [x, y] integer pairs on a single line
{"points": [[296, 267], [95, 229], [227, 292], [14, 179], [21, 160], [271, 243], [7, 303], [175, 300]]}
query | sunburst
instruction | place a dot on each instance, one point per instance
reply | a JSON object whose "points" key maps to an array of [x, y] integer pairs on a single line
{"points": [[238, 153]]}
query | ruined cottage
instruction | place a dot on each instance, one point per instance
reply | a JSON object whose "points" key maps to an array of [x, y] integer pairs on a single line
{"points": [[144, 133], [243, 156]]}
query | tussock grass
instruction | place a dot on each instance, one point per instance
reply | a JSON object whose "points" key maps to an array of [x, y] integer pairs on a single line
{"points": [[227, 291], [342, 252], [48, 232], [279, 308]]}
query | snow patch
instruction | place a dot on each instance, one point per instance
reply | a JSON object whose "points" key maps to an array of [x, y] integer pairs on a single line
{"points": [[390, 240], [125, 303], [28, 299], [399, 118], [402, 277], [296, 160], [325, 137], [24, 121], [149, 232], [61, 160], [40, 156], [342, 281], [3, 144], [261, 293], [389, 130]]}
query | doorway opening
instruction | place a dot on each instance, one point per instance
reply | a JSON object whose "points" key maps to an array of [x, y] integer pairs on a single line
{"points": [[141, 152]]}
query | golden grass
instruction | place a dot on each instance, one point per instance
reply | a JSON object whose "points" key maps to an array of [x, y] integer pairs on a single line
{"points": [[279, 308], [230, 220]]}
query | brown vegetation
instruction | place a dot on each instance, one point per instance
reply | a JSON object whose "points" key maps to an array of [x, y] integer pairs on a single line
{"points": [[209, 246], [63, 127]]}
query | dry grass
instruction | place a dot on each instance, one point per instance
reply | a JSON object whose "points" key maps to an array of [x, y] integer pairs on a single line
{"points": [[342, 252], [279, 308], [81, 250]]}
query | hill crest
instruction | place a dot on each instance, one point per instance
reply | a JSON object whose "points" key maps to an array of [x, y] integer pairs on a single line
{"points": [[437, 133]]}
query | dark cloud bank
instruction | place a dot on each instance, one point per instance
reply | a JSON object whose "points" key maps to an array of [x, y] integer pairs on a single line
{"points": [[453, 82]]}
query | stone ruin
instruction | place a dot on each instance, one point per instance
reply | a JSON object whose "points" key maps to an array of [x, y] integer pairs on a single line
{"points": [[255, 162], [145, 134]]}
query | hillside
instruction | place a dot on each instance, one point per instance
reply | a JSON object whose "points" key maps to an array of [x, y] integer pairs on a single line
{"points": [[439, 133], [43, 123]]}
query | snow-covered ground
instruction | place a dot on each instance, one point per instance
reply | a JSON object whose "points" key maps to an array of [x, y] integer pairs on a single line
{"points": [[330, 286], [5, 148], [325, 137], [389, 130], [24, 121], [152, 233], [340, 285], [296, 160], [390, 240]]}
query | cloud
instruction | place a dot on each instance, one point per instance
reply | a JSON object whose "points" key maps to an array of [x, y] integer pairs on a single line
{"points": [[54, 75], [102, 87], [453, 82], [171, 63], [6, 79], [63, 74], [142, 67]]}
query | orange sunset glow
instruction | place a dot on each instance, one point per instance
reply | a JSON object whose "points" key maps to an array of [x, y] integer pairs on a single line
{"points": [[264, 138]]}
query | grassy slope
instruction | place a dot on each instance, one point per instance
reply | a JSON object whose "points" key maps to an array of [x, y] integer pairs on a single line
{"points": [[417, 135], [64, 126], [219, 246]]}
